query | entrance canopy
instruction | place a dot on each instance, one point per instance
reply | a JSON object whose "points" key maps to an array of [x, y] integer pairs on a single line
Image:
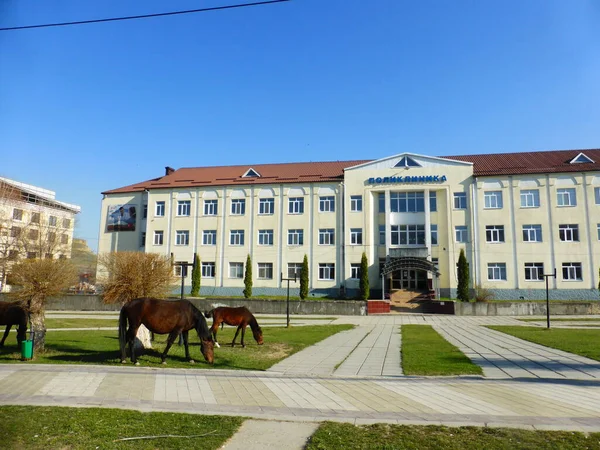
{"points": [[408, 263]]}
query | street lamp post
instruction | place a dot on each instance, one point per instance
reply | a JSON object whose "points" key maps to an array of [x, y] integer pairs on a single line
{"points": [[547, 298]]}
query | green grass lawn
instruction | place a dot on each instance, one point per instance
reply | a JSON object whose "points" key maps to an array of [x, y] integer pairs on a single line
{"points": [[425, 352], [35, 427], [334, 436], [102, 347], [572, 340], [82, 323]]}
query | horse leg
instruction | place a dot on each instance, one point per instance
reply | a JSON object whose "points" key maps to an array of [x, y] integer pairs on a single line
{"points": [[213, 331], [8, 327], [236, 334], [131, 333], [243, 333], [187, 350], [172, 335]]}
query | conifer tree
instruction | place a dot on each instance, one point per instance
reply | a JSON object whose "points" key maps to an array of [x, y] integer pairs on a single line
{"points": [[463, 277], [196, 277], [248, 278], [304, 279], [364, 277]]}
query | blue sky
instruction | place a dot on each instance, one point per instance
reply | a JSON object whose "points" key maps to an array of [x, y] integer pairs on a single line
{"points": [[95, 107]]}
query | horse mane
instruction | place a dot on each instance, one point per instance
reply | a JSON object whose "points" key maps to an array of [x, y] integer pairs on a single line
{"points": [[253, 323], [209, 314], [201, 325]]}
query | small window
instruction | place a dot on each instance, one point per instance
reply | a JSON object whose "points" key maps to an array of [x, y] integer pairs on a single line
{"points": [[294, 269], [35, 217], [51, 237], [52, 221], [209, 237], [145, 212], [17, 214], [15, 232], [181, 271], [381, 202], [494, 233], [143, 239], [296, 237], [532, 233], [497, 271], [356, 236], [566, 197], [381, 234], [461, 234], [598, 230], [460, 200], [158, 237], [208, 270], [434, 234], [238, 206], [581, 159], [265, 237], [327, 204], [597, 195], [407, 161], [355, 271], [34, 235], [568, 233], [184, 207], [66, 223], [31, 255], [236, 237], [182, 237], [296, 205], [266, 206], [265, 271], [572, 271], [356, 203], [492, 199], [13, 255], [48, 255], [236, 270], [327, 271], [159, 210], [326, 236], [251, 173], [534, 271], [432, 201], [530, 198], [210, 207]]}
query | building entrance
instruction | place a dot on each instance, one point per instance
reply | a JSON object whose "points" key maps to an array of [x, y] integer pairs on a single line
{"points": [[409, 280]]}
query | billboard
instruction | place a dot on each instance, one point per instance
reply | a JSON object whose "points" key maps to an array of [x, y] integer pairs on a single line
{"points": [[121, 218]]}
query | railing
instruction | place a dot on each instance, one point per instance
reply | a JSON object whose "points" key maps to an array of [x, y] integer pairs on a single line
{"points": [[418, 252]]}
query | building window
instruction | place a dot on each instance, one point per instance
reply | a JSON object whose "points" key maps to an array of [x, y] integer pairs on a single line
{"points": [[209, 237], [159, 210], [492, 199], [208, 270], [407, 202], [31, 255], [48, 255], [265, 271], [236, 237], [327, 204], [143, 239], [64, 239], [35, 217], [66, 223], [181, 271], [51, 237], [494, 233], [432, 201], [13, 255], [327, 271], [356, 203], [33, 235], [184, 207], [15, 232], [572, 271], [182, 237], [326, 236], [460, 234], [355, 271], [568, 233], [597, 195], [356, 236], [460, 200], [381, 202], [158, 237], [238, 206], [534, 271], [598, 230], [530, 198], [210, 207], [265, 237], [294, 269], [296, 205], [532, 233], [434, 234], [436, 263], [266, 206], [236, 270], [52, 220], [566, 197], [145, 213], [295, 237], [17, 214], [408, 234], [381, 234], [497, 271]]}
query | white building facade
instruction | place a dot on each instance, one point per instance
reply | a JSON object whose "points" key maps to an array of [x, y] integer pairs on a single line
{"points": [[517, 217]]}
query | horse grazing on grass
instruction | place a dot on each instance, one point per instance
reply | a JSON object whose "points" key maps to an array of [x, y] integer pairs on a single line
{"points": [[13, 314], [240, 317], [162, 317]]}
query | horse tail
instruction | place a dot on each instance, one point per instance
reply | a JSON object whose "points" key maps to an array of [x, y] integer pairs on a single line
{"points": [[123, 329]]}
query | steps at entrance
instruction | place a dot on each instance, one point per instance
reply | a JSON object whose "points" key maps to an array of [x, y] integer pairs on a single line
{"points": [[404, 300]]}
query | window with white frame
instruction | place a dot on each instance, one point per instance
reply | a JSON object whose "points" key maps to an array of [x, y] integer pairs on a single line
{"points": [[159, 209], [296, 205], [265, 271], [327, 204], [408, 234], [494, 233], [184, 207], [460, 200], [236, 270], [238, 206], [52, 221], [158, 237], [597, 195], [296, 237], [407, 201], [294, 269], [598, 230], [381, 202], [142, 239], [572, 271], [492, 199], [326, 236], [568, 232], [566, 197], [236, 237], [532, 233], [211, 207], [356, 236], [179, 269], [208, 269], [356, 203], [209, 237], [145, 213], [534, 271], [436, 263], [66, 223], [434, 234], [381, 234], [460, 234], [497, 271], [355, 271], [326, 271], [266, 206], [265, 237], [17, 214], [432, 201], [530, 198], [182, 237]]}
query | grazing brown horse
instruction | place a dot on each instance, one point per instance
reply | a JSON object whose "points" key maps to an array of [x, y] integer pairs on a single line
{"points": [[162, 317], [237, 317], [13, 314]]}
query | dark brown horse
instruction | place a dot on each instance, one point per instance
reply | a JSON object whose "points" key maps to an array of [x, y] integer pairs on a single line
{"points": [[237, 317], [162, 317], [13, 314]]}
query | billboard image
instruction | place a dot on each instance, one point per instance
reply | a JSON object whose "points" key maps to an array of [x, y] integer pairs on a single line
{"points": [[121, 218]]}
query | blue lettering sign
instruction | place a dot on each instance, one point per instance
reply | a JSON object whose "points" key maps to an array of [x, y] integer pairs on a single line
{"points": [[408, 179]]}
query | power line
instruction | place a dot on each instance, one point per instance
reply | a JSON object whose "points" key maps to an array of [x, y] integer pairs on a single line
{"points": [[142, 16]]}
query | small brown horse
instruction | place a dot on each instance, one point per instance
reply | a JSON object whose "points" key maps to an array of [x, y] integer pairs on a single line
{"points": [[13, 314], [237, 317], [162, 317]]}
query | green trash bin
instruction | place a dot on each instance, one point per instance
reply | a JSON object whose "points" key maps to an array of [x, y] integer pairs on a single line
{"points": [[27, 349]]}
